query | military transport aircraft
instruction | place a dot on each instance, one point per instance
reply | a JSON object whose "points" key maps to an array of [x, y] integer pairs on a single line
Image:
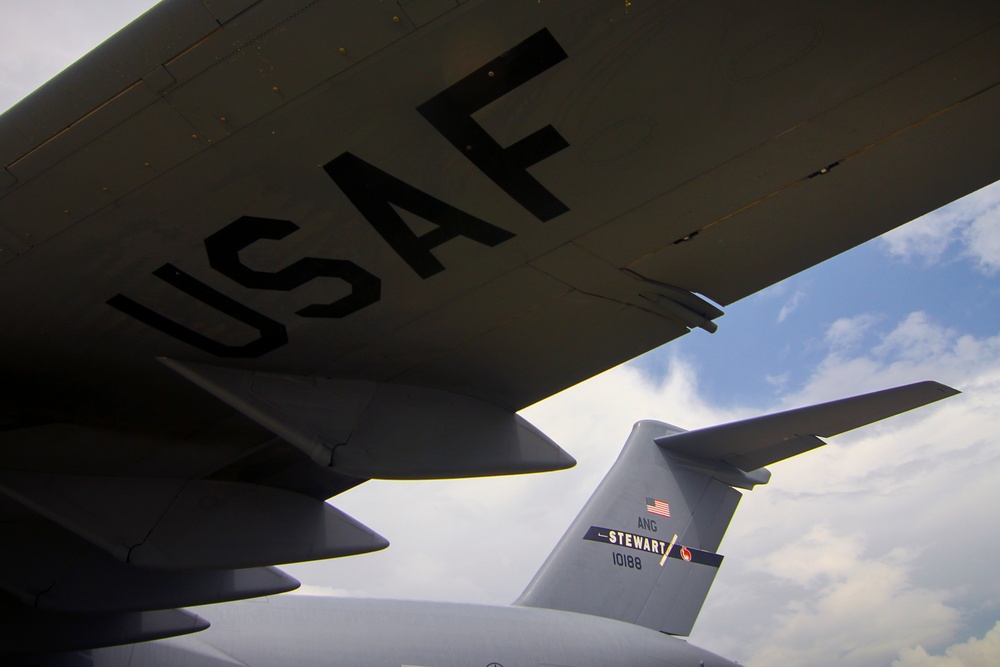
{"points": [[254, 253]]}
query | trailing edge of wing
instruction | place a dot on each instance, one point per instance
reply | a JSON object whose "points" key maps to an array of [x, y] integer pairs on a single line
{"points": [[754, 443]]}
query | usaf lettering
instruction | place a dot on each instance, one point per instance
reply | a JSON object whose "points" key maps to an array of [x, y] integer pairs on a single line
{"points": [[374, 193]]}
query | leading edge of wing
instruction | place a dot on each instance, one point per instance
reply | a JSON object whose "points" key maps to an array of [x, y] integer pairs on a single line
{"points": [[753, 443]]}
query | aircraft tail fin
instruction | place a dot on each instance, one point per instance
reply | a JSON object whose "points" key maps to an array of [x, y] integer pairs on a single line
{"points": [[643, 549]]}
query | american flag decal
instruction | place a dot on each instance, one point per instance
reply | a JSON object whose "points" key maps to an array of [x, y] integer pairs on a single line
{"points": [[654, 506]]}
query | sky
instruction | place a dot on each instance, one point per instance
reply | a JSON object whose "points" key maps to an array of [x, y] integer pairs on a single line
{"points": [[879, 549]]}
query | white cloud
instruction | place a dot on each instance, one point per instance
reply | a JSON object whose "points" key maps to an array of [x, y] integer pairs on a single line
{"points": [[70, 30], [854, 608], [926, 238], [975, 652], [916, 339], [791, 305], [971, 224], [847, 332], [779, 382], [320, 591], [848, 556], [819, 556], [982, 239], [917, 348]]}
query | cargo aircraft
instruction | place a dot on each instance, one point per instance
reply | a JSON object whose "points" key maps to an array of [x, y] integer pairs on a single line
{"points": [[255, 253]]}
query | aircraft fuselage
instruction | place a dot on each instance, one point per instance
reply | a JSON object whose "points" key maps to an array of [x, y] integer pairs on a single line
{"points": [[322, 632]]}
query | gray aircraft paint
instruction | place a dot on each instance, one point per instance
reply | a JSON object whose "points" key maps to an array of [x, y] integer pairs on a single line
{"points": [[630, 576], [766, 142], [314, 632]]}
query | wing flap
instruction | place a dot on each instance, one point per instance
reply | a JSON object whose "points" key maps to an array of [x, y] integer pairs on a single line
{"points": [[49, 569], [106, 586], [369, 429], [25, 631], [195, 524], [754, 443]]}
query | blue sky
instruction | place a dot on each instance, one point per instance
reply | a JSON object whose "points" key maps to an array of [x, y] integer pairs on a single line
{"points": [[769, 342], [879, 549]]}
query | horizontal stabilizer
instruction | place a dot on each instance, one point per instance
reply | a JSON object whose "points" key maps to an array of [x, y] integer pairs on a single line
{"points": [[381, 430], [754, 443], [192, 524]]}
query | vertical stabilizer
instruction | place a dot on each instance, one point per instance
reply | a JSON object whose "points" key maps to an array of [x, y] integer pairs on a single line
{"points": [[643, 549]]}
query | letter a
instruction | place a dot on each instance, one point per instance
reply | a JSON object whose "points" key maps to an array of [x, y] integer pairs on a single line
{"points": [[372, 191]]}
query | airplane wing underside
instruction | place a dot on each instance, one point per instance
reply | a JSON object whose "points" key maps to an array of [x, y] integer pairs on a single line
{"points": [[257, 252]]}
